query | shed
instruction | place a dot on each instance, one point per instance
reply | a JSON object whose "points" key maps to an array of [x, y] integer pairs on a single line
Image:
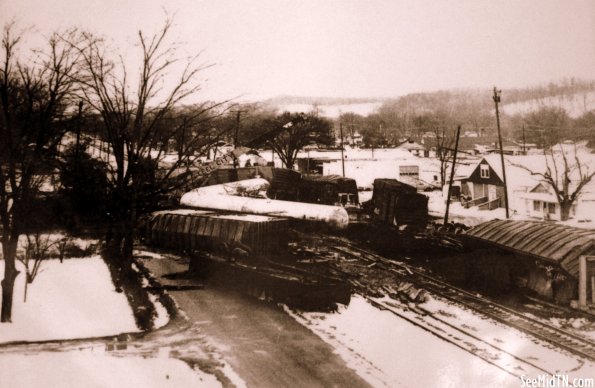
{"points": [[559, 247], [557, 244]]}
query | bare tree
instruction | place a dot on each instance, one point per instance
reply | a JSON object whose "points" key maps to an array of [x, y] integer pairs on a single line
{"points": [[35, 95], [288, 133], [444, 144], [141, 121], [567, 175]]}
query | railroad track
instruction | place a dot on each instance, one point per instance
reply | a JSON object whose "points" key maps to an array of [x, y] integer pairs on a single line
{"points": [[560, 338]]}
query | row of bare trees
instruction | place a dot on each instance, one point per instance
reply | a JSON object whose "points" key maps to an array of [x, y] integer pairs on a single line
{"points": [[139, 113]]}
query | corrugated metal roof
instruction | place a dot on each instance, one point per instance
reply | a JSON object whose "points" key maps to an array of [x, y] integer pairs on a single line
{"points": [[551, 242]]}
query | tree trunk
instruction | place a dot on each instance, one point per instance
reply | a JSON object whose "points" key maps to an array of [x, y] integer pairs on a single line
{"points": [[9, 250], [565, 211]]}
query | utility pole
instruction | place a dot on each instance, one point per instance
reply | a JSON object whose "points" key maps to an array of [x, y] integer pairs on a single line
{"points": [[78, 132], [524, 145], [496, 101], [236, 138], [342, 155], [452, 174]]}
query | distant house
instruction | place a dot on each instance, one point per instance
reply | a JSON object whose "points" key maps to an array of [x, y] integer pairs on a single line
{"points": [[414, 148], [472, 145], [470, 134], [355, 139]]}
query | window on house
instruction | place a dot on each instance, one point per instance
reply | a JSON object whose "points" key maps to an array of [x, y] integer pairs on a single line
{"points": [[551, 208], [484, 171], [536, 206]]}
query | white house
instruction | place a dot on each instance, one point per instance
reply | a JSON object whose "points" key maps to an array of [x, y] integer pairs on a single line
{"points": [[541, 202]]}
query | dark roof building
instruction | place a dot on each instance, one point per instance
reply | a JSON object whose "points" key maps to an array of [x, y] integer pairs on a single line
{"points": [[557, 244], [550, 253]]}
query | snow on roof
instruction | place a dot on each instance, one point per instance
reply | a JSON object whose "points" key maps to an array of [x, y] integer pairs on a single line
{"points": [[463, 171], [411, 145], [516, 173]]}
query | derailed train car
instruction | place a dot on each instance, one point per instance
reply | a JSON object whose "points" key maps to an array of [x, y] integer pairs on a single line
{"points": [[245, 252], [328, 190], [396, 203]]}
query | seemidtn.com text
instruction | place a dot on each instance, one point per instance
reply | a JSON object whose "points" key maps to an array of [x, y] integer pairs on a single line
{"points": [[557, 380]]}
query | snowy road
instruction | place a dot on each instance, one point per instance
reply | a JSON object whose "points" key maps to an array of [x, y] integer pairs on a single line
{"points": [[265, 346]]}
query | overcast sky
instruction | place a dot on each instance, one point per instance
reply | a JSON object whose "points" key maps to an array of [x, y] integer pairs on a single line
{"points": [[349, 48]]}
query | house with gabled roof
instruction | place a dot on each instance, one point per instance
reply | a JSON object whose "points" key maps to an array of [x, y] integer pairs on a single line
{"points": [[483, 183]]}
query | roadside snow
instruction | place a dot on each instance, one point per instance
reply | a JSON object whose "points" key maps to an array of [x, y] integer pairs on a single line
{"points": [[96, 368], [162, 316], [72, 299]]}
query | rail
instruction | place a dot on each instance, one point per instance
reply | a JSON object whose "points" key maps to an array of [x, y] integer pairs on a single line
{"points": [[560, 338]]}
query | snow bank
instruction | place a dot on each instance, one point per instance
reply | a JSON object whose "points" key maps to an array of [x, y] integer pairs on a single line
{"points": [[93, 368], [73, 299]]}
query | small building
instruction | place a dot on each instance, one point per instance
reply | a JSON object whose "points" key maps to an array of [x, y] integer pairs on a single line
{"points": [[541, 256]]}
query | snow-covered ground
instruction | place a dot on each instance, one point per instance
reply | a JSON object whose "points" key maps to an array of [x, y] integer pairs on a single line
{"points": [[72, 299], [95, 368], [457, 213], [76, 299], [389, 351]]}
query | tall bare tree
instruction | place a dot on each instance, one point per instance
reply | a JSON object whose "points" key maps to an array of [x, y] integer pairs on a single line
{"points": [[444, 144], [566, 174], [36, 93], [141, 120]]}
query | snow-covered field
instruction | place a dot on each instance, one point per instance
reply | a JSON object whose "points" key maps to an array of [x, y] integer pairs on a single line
{"points": [[72, 299]]}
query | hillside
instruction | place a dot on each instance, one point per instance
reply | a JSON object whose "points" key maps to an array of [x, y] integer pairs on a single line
{"points": [[577, 97], [575, 105], [326, 106]]}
